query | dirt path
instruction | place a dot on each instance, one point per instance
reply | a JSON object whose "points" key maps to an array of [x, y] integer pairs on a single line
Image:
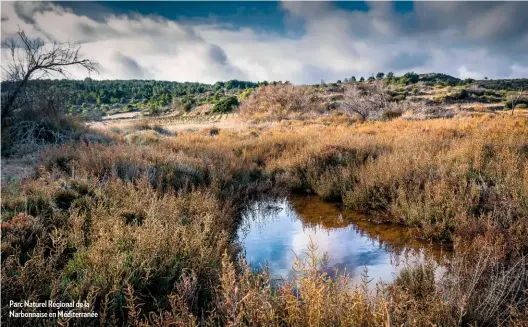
{"points": [[176, 123]]}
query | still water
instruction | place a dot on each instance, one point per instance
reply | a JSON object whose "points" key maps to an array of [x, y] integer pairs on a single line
{"points": [[274, 232]]}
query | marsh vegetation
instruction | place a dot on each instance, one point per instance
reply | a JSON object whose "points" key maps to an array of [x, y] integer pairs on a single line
{"points": [[145, 227]]}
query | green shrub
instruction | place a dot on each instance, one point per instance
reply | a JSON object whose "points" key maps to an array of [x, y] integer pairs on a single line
{"points": [[225, 105]]}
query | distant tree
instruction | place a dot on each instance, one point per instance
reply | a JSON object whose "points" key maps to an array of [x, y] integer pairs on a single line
{"points": [[390, 75], [347, 81], [371, 79], [410, 78], [338, 81], [353, 79], [362, 79], [486, 78], [380, 75]]}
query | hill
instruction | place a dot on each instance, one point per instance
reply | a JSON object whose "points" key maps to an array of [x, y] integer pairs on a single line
{"points": [[91, 98]]}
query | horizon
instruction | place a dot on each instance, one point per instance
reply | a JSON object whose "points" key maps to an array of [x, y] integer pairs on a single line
{"points": [[304, 43], [256, 82]]}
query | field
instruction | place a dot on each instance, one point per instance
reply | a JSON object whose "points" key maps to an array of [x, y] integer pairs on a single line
{"points": [[141, 221]]}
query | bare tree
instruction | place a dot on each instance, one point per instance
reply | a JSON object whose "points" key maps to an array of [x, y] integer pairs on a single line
{"points": [[515, 99], [364, 100], [33, 58]]}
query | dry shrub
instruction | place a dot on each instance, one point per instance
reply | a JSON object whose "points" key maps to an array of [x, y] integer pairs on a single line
{"points": [[143, 137], [365, 100], [93, 249], [38, 120], [278, 102], [146, 233], [483, 286]]}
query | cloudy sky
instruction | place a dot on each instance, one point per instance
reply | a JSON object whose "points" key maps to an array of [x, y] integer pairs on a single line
{"points": [[303, 42]]}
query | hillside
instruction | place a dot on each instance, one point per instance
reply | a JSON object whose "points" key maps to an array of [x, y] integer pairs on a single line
{"points": [[91, 99]]}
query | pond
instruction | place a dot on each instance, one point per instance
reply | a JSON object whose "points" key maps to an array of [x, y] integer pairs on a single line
{"points": [[275, 232]]}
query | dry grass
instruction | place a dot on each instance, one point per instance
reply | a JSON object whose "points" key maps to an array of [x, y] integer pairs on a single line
{"points": [[144, 230]]}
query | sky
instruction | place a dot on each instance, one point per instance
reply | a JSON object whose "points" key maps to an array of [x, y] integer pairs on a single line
{"points": [[300, 42]]}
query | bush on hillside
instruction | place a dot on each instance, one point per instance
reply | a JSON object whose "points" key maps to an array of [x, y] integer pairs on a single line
{"points": [[225, 105]]}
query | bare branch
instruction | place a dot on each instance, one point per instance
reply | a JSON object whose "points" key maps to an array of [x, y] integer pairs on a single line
{"points": [[515, 99], [365, 100], [31, 57]]}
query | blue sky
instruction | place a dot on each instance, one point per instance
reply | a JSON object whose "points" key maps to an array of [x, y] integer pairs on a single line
{"points": [[259, 15], [303, 42]]}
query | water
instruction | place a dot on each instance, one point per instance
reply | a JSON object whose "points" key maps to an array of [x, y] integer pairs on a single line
{"points": [[274, 232]]}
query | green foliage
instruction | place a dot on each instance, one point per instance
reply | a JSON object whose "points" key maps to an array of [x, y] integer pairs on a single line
{"points": [[244, 95], [467, 81], [522, 103], [225, 105], [462, 94], [409, 78], [505, 84], [88, 92]]}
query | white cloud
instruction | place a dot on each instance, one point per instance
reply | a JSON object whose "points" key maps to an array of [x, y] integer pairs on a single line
{"points": [[335, 44]]}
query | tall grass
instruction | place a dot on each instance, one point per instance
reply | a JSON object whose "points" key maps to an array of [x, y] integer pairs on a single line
{"points": [[144, 230]]}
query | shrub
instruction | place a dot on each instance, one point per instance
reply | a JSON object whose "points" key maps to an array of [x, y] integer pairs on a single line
{"points": [[366, 100], [519, 102], [225, 105], [281, 101], [390, 114]]}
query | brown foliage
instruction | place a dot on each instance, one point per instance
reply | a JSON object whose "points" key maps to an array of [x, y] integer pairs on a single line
{"points": [[278, 102], [144, 233]]}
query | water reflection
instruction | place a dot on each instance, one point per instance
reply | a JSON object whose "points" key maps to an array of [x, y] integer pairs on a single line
{"points": [[274, 232]]}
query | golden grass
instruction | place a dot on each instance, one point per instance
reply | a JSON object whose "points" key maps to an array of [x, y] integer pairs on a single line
{"points": [[143, 230]]}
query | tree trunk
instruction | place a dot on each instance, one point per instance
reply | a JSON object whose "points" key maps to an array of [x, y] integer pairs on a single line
{"points": [[7, 107]]}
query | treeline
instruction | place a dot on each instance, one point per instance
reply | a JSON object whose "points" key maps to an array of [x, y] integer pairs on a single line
{"points": [[441, 79], [411, 78], [159, 93]]}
